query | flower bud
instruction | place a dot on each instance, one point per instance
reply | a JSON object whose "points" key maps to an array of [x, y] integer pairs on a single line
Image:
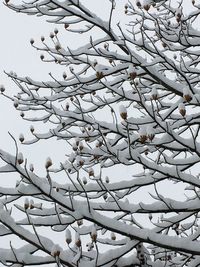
{"points": [[20, 158], [79, 222], [84, 180], [94, 234], [142, 135], [154, 94], [48, 163], [68, 236], [91, 172], [107, 180], [77, 240], [182, 109], [113, 236], [21, 138], [2, 88], [32, 41], [186, 95], [123, 112], [26, 203], [32, 128]]}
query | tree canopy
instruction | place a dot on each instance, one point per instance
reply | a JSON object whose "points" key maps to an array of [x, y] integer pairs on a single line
{"points": [[127, 110]]}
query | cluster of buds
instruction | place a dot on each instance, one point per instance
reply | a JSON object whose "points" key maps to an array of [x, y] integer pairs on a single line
{"points": [[150, 132], [99, 75], [68, 236]]}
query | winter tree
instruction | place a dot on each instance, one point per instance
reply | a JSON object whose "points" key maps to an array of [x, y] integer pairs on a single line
{"points": [[127, 110]]}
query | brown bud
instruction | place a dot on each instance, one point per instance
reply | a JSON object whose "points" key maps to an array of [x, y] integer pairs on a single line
{"points": [[123, 115], [91, 172], [78, 243], [48, 163], [187, 97], [133, 75], [147, 7], [99, 75], [79, 222], [182, 109], [113, 236], [143, 139], [66, 25]]}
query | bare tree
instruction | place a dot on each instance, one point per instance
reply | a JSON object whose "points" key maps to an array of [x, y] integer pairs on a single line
{"points": [[129, 99]]}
